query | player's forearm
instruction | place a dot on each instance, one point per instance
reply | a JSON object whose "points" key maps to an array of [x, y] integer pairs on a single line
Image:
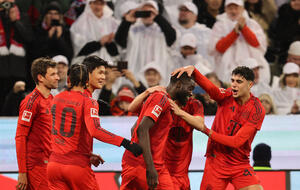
{"points": [[232, 141], [195, 121], [106, 136], [21, 153], [144, 142], [137, 102], [208, 86]]}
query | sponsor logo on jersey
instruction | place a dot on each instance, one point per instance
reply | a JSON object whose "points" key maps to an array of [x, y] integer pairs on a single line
{"points": [[26, 116], [94, 112], [156, 110]]}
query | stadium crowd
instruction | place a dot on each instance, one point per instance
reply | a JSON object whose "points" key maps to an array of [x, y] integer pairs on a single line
{"points": [[144, 41]]}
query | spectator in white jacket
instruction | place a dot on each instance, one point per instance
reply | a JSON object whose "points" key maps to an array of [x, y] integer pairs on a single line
{"points": [[235, 37]]}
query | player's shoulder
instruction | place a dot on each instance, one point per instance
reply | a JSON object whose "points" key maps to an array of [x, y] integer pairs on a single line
{"points": [[258, 111], [31, 100], [158, 97]]}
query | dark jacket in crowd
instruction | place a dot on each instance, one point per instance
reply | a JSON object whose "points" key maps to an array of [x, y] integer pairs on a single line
{"points": [[13, 66], [12, 103], [284, 30], [45, 46]]}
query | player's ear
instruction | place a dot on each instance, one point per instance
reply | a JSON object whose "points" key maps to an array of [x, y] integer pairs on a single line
{"points": [[40, 77], [178, 84], [250, 84]]}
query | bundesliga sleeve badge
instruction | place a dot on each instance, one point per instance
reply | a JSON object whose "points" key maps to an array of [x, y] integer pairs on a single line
{"points": [[94, 112], [156, 111], [26, 116]]}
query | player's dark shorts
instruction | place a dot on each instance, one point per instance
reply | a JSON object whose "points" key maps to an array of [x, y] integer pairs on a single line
{"points": [[181, 182], [134, 178], [71, 177], [37, 178], [215, 178]]}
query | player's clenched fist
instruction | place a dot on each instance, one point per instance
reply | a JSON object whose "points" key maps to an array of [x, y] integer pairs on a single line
{"points": [[132, 147]]}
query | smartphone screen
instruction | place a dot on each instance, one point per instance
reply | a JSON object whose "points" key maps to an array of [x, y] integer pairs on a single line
{"points": [[142, 14], [55, 22], [122, 65]]}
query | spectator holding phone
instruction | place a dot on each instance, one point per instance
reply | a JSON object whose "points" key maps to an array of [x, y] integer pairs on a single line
{"points": [[51, 36], [93, 32], [146, 36], [15, 36]]}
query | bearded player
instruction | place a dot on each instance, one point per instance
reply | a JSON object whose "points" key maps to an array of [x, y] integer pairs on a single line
{"points": [[238, 118]]}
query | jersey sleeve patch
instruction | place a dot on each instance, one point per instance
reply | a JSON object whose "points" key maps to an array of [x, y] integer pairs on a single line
{"points": [[94, 112], [26, 116], [157, 111]]}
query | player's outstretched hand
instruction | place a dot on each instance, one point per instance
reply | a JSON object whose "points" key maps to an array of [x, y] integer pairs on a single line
{"points": [[188, 69], [22, 181], [96, 159], [175, 108], [132, 147], [152, 178]]}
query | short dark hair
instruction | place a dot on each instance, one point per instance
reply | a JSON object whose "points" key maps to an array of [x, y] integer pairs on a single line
{"points": [[262, 155], [78, 75], [245, 72], [184, 77], [93, 61], [39, 67]]}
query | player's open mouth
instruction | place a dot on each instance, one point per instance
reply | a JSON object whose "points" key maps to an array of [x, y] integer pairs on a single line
{"points": [[234, 91]]}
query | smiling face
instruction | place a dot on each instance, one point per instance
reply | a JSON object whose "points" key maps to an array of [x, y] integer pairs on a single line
{"points": [[291, 80], [97, 78], [240, 86], [184, 90], [50, 80]]}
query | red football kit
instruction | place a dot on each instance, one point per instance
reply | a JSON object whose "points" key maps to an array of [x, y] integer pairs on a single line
{"points": [[229, 145], [156, 107], [75, 123], [33, 138], [179, 147]]}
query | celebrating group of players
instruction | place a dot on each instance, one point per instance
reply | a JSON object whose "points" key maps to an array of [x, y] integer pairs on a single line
{"points": [[54, 137]]}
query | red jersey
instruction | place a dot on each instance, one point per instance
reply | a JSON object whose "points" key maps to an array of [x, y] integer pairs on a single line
{"points": [[75, 123], [179, 147], [33, 131], [235, 125], [156, 107]]}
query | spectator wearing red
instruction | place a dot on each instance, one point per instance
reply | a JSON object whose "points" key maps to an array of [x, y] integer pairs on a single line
{"points": [[119, 105], [235, 37]]}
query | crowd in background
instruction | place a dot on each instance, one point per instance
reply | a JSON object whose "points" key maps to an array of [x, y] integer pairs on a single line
{"points": [[144, 41]]}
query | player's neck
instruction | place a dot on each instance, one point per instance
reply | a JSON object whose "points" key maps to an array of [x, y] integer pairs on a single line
{"points": [[243, 99], [90, 89], [78, 88], [43, 90]]}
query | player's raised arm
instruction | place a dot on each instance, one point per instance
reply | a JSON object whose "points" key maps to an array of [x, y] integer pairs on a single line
{"points": [[144, 141], [213, 91]]}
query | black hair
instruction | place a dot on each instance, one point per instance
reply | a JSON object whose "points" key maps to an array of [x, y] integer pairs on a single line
{"points": [[262, 155], [54, 5], [93, 61], [78, 75], [184, 77], [245, 72], [257, 6]]}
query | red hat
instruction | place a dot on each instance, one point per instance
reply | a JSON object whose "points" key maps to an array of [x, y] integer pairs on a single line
{"points": [[126, 95]]}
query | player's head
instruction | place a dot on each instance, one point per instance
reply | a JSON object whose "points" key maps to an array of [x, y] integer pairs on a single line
{"points": [[96, 69], [44, 72], [242, 79], [180, 89], [77, 76]]}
